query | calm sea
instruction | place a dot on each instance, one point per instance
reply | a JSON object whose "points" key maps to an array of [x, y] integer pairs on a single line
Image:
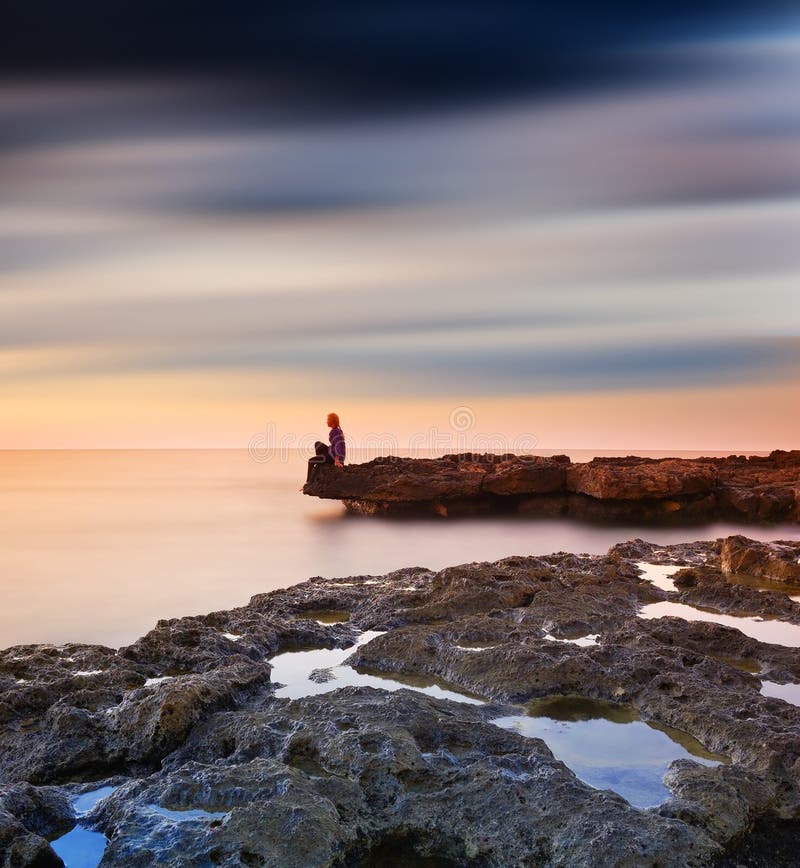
{"points": [[97, 546]]}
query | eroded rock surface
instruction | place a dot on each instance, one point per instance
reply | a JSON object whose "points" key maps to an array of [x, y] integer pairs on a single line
{"points": [[212, 767], [661, 491], [29, 817], [776, 561]]}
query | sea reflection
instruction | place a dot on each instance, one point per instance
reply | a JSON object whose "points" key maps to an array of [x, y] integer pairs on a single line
{"points": [[97, 546]]}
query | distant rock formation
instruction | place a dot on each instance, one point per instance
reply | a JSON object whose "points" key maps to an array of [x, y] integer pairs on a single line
{"points": [[659, 491]]}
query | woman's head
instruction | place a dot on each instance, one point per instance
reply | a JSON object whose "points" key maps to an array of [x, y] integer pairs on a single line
{"points": [[333, 420]]}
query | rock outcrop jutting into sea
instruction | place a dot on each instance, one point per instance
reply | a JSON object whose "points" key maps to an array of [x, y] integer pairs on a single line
{"points": [[223, 739], [659, 491]]}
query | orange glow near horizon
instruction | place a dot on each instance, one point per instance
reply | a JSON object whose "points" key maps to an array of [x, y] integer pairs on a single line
{"points": [[214, 410], [609, 268]]}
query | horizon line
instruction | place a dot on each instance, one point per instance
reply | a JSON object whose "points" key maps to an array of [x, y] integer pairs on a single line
{"points": [[556, 450]]}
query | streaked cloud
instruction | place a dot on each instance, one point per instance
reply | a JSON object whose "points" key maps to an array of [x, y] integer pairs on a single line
{"points": [[615, 239]]}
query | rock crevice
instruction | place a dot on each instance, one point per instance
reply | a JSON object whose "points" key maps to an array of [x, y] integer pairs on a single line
{"points": [[213, 766]]}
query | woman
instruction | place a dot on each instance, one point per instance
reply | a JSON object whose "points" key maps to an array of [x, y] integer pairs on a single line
{"points": [[335, 453]]}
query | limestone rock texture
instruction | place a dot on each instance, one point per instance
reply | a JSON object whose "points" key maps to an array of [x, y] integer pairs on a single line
{"points": [[760, 489], [213, 767], [776, 561]]}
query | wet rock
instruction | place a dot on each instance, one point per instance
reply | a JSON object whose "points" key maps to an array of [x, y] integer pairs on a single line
{"points": [[687, 578], [525, 476], [640, 478], [776, 561], [760, 488], [392, 479], [73, 743], [29, 818], [20, 848], [659, 491], [724, 597], [44, 811], [221, 770], [143, 729], [543, 505], [658, 511], [341, 779], [769, 842], [687, 554], [711, 797], [79, 712]]}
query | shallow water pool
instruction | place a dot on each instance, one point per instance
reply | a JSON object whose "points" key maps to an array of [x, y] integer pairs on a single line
{"points": [[321, 670], [608, 746], [787, 692], [81, 847], [771, 631]]}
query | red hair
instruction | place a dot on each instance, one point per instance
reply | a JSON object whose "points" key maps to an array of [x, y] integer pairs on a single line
{"points": [[334, 417]]}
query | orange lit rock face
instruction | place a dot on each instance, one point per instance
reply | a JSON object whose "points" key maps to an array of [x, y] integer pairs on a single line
{"points": [[669, 490], [606, 479], [776, 561]]}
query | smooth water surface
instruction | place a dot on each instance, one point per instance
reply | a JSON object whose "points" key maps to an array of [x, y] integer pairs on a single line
{"points": [[762, 584], [326, 616], [742, 664], [321, 670], [660, 575], [772, 631], [86, 802], [787, 692], [82, 847], [98, 545], [608, 746]]}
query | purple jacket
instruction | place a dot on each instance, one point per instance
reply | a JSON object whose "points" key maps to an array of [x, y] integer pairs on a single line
{"points": [[337, 447]]}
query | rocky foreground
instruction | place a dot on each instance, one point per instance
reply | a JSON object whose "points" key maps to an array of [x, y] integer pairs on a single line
{"points": [[186, 720], [659, 491]]}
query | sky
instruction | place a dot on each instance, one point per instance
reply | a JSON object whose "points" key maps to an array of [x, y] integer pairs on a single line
{"points": [[495, 225]]}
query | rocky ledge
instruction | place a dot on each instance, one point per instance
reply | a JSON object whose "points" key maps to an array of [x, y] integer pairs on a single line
{"points": [[196, 755], [659, 491]]}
